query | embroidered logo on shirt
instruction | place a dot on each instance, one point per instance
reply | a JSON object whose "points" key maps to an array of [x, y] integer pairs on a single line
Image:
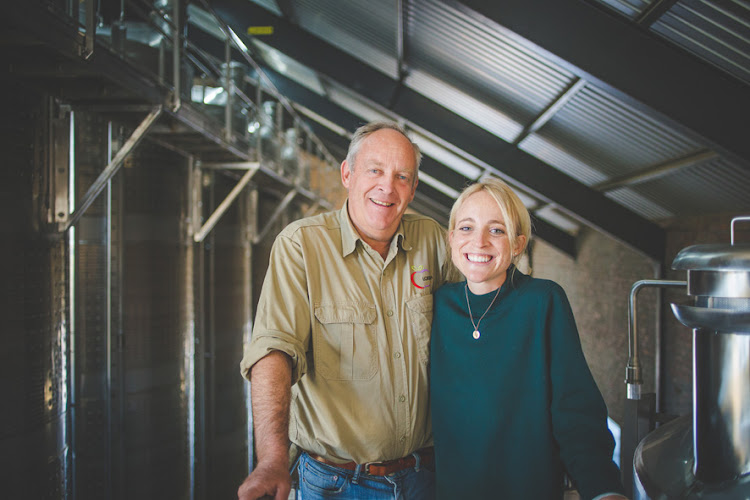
{"points": [[420, 277]]}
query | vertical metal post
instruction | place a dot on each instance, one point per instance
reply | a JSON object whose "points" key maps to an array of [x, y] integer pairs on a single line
{"points": [[195, 297], [176, 54], [658, 341], [119, 335], [59, 161], [54, 203], [71, 235], [162, 60], [252, 232], [108, 318], [208, 372], [259, 105], [229, 88], [279, 136], [88, 49]]}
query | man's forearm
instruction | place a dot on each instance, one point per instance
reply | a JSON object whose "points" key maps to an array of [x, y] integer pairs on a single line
{"points": [[270, 380]]}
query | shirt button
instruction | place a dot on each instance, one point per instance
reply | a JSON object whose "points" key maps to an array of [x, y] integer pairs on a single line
{"points": [[389, 313], [396, 355], [402, 398]]}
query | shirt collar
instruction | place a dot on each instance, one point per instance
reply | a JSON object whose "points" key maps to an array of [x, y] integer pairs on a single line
{"points": [[349, 234]]}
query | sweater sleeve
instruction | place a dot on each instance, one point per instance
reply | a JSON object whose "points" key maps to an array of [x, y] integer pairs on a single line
{"points": [[579, 414]]}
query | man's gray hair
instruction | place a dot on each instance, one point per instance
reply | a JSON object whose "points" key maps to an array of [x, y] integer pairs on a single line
{"points": [[365, 130]]}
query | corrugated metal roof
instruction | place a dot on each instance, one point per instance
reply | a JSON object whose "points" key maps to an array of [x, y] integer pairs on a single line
{"points": [[611, 136], [554, 154], [630, 8], [640, 204], [711, 187], [289, 67], [490, 118], [447, 43], [716, 31], [486, 74], [269, 5], [719, 32], [366, 30]]}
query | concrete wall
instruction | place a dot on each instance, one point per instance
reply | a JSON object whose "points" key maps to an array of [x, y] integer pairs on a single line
{"points": [[598, 283]]}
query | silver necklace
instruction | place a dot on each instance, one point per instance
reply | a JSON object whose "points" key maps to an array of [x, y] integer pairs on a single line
{"points": [[476, 333]]}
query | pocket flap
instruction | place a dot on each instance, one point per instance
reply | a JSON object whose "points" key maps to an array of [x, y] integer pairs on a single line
{"points": [[345, 313], [421, 304]]}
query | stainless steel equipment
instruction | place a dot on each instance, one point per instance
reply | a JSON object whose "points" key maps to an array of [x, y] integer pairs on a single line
{"points": [[708, 456]]}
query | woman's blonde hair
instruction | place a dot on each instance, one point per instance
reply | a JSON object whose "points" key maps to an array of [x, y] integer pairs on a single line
{"points": [[516, 216]]}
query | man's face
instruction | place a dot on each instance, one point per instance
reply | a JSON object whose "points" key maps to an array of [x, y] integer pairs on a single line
{"points": [[381, 185]]}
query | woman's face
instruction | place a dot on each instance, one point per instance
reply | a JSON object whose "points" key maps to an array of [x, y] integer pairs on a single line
{"points": [[480, 247]]}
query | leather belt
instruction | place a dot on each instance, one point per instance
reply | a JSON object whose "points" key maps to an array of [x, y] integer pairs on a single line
{"points": [[426, 457]]}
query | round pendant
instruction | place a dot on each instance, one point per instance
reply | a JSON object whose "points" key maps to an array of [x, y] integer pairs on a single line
{"points": [[475, 334]]}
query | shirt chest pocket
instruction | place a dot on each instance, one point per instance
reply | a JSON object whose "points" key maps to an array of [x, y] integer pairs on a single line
{"points": [[419, 312], [345, 341]]}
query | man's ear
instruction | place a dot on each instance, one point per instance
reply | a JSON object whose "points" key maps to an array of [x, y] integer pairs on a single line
{"points": [[414, 188], [345, 174]]}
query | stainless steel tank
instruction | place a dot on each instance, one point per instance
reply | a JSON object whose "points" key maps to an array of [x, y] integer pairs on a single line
{"points": [[708, 455]]}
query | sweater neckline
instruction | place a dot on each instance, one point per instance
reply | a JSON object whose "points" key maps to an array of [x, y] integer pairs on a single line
{"points": [[483, 300]]}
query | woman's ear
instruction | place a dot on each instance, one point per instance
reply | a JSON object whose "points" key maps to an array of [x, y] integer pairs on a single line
{"points": [[520, 245]]}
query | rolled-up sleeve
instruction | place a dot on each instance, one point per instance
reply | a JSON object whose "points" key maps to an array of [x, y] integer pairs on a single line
{"points": [[282, 321]]}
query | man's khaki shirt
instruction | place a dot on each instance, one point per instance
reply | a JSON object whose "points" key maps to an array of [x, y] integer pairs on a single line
{"points": [[358, 331]]}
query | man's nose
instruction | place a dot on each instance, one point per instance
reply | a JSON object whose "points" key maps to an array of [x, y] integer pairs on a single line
{"points": [[386, 183]]}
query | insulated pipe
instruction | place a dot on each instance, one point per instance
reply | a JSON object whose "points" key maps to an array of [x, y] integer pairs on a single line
{"points": [[633, 371]]}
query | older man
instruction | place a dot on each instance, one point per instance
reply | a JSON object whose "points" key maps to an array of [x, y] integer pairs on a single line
{"points": [[339, 352]]}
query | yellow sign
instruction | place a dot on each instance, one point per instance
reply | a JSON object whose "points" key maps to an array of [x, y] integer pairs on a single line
{"points": [[260, 30]]}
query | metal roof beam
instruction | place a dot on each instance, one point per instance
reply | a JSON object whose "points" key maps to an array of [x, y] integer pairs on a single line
{"points": [[401, 12], [287, 9], [655, 171], [654, 12], [630, 62], [550, 111]]}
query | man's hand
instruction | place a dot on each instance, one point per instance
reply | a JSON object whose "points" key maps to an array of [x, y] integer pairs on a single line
{"points": [[270, 391], [271, 481]]}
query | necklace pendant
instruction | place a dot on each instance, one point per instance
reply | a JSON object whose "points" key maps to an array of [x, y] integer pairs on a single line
{"points": [[475, 334]]}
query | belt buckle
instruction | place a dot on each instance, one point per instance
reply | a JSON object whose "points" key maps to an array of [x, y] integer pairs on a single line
{"points": [[368, 464]]}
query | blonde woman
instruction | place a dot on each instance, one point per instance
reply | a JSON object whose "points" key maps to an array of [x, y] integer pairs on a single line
{"points": [[514, 404]]}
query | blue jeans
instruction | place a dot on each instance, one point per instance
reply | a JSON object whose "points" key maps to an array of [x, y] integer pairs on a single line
{"points": [[318, 481]]}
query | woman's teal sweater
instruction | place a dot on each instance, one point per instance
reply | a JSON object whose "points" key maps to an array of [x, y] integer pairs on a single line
{"points": [[516, 408]]}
